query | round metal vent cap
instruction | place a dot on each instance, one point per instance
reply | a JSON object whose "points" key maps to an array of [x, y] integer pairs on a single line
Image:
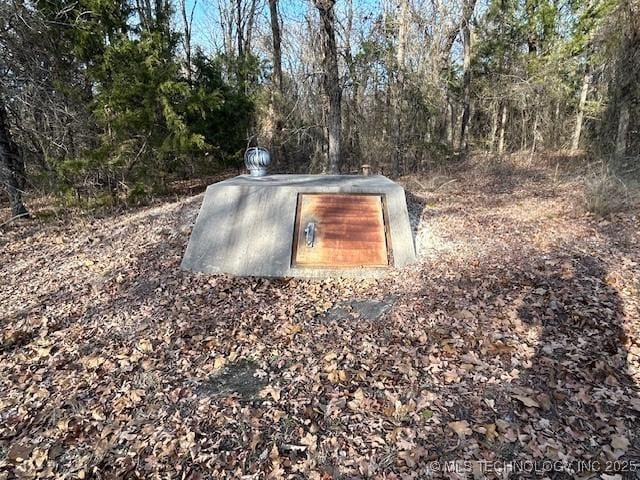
{"points": [[257, 159]]}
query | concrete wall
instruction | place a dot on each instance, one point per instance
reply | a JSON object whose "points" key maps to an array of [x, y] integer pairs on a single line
{"points": [[246, 224]]}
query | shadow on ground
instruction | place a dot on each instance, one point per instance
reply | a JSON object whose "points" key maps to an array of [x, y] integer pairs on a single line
{"points": [[544, 343]]}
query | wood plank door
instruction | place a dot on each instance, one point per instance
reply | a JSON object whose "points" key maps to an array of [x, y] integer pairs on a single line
{"points": [[340, 230]]}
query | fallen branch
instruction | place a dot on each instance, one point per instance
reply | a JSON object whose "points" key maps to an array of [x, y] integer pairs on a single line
{"points": [[22, 215]]}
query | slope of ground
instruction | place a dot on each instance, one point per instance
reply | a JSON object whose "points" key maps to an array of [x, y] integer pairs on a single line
{"points": [[514, 340]]}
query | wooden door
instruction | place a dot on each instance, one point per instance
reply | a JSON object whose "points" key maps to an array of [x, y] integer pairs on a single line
{"points": [[340, 230]]}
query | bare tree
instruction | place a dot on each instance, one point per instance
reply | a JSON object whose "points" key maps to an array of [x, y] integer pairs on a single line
{"points": [[277, 44], [187, 23], [399, 85], [353, 101], [277, 90], [154, 17], [331, 81], [586, 80], [237, 22], [245, 17], [628, 74], [623, 127], [12, 174], [145, 13], [501, 127], [468, 8]]}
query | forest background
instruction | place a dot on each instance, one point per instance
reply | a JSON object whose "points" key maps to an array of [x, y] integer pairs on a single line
{"points": [[110, 102]]}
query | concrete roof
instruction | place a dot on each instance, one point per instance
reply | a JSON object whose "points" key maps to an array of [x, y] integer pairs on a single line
{"points": [[373, 183]]}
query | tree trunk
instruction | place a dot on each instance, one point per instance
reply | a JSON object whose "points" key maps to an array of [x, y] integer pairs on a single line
{"points": [[186, 39], [355, 138], [628, 74], [352, 103], [448, 123], [277, 44], [277, 92], [556, 125], [503, 123], [249, 24], [12, 173], [145, 14], [575, 142], [402, 33], [523, 130], [494, 128], [469, 5], [534, 142], [398, 87], [239, 30], [331, 81], [623, 126], [244, 18]]}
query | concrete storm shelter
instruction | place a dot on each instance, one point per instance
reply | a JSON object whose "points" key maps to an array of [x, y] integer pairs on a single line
{"points": [[301, 226]]}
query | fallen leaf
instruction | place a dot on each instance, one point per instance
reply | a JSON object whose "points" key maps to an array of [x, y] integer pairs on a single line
{"points": [[620, 442], [219, 362], [527, 401], [292, 329], [94, 362], [98, 414], [63, 424], [310, 441], [460, 427], [39, 456], [358, 395], [330, 356], [145, 346], [43, 352], [270, 390], [490, 431]]}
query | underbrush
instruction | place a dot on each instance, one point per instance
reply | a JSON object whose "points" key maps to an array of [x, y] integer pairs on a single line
{"points": [[96, 202], [603, 187], [611, 188]]}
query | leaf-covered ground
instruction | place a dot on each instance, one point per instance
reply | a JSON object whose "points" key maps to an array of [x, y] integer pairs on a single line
{"points": [[512, 344]]}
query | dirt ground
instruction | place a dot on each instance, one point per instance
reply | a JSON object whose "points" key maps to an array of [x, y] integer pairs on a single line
{"points": [[511, 349]]}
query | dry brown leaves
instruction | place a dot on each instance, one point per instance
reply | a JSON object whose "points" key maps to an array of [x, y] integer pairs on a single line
{"points": [[515, 338]]}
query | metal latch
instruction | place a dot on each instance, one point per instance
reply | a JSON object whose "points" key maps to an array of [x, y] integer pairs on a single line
{"points": [[310, 234]]}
